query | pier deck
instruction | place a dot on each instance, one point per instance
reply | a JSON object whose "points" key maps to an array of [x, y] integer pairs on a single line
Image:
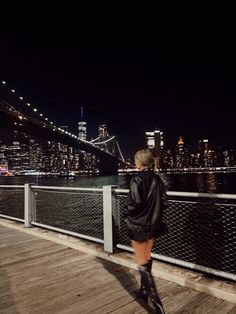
{"points": [[40, 276]]}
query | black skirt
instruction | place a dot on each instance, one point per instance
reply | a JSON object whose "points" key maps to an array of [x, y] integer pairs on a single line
{"points": [[141, 236]]}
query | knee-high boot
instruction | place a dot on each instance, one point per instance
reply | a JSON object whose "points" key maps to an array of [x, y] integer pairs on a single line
{"points": [[142, 293], [151, 288]]}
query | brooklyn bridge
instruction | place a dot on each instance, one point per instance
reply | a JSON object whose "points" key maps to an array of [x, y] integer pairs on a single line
{"points": [[18, 113]]}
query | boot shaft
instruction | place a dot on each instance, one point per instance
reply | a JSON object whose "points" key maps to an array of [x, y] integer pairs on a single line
{"points": [[148, 281]]}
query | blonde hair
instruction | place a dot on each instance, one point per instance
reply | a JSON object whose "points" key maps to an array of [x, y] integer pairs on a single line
{"points": [[145, 158]]}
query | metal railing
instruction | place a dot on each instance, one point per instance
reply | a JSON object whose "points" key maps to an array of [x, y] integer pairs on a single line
{"points": [[202, 226]]}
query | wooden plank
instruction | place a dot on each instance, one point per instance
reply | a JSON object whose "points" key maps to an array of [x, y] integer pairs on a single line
{"points": [[106, 299], [52, 287], [132, 307], [22, 248], [223, 308], [34, 255], [199, 304], [169, 290], [116, 300], [40, 294], [54, 297], [39, 276], [122, 298], [93, 285], [21, 280]]}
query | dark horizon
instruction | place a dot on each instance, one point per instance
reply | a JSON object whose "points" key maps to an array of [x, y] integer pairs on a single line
{"points": [[132, 90]]}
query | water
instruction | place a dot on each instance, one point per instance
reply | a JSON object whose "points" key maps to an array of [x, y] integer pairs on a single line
{"points": [[191, 182]]}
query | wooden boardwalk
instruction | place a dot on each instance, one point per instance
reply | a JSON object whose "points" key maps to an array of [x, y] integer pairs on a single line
{"points": [[39, 276]]}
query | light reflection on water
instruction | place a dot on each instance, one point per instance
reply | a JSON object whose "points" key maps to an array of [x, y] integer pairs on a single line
{"points": [[194, 182], [207, 182]]}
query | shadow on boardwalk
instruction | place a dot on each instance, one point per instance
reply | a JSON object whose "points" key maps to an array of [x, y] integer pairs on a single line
{"points": [[126, 279]]}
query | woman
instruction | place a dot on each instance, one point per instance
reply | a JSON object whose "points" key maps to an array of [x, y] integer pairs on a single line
{"points": [[143, 217]]}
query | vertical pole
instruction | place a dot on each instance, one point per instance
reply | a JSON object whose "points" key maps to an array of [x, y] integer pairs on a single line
{"points": [[107, 218], [28, 205]]}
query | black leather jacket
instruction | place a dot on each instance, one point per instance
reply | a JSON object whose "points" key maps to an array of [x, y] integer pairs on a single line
{"points": [[145, 203]]}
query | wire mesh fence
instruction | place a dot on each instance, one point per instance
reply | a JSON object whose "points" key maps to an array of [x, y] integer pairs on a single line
{"points": [[76, 211], [120, 232], [12, 201], [201, 232]]}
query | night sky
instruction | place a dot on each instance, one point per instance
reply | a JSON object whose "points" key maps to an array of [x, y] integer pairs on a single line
{"points": [[182, 91]]}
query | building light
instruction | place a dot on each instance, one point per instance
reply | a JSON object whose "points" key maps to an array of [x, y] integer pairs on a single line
{"points": [[4, 82], [20, 117], [28, 104], [21, 98], [149, 133], [35, 110], [41, 114], [13, 91]]}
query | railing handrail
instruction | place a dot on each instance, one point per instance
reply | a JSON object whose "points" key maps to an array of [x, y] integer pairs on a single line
{"points": [[191, 194], [121, 190], [125, 191], [46, 187], [12, 186], [202, 195]]}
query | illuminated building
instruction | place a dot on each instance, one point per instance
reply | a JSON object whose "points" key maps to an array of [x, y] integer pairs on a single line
{"points": [[182, 154], [102, 131], [82, 127], [206, 155], [36, 154], [154, 142], [3, 159]]}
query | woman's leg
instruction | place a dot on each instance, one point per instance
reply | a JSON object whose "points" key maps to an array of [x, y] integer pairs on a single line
{"points": [[149, 248], [142, 254], [142, 251], [143, 259]]}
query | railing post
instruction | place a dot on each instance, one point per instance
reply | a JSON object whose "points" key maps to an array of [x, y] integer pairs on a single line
{"points": [[107, 218], [28, 205]]}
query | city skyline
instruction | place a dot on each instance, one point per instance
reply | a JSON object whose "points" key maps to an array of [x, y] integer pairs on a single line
{"points": [[80, 126], [132, 90]]}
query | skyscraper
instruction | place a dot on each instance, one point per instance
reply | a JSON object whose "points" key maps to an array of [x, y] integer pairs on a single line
{"points": [[82, 127], [182, 154], [154, 141], [102, 131], [206, 156], [3, 158]]}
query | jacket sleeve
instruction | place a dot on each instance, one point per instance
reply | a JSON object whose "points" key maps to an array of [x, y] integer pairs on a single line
{"points": [[133, 202], [163, 195]]}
